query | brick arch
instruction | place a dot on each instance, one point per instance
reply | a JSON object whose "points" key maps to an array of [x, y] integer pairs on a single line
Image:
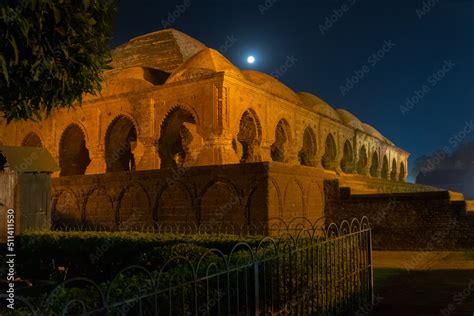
{"points": [[249, 137], [347, 161], [256, 113], [120, 138], [385, 167], [394, 170], [220, 202], [307, 153], [174, 205], [73, 153], [183, 107], [374, 165], [294, 205], [314, 201], [283, 140], [330, 152], [134, 206], [362, 160], [275, 203], [98, 207], [175, 142], [66, 208], [32, 139], [258, 199]]}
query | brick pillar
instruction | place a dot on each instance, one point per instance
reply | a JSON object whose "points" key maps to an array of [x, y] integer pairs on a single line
{"points": [[265, 151], [217, 151], [379, 172], [291, 155], [97, 164], [146, 154]]}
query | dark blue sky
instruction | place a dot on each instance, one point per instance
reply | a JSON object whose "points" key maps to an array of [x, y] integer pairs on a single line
{"points": [[422, 41]]}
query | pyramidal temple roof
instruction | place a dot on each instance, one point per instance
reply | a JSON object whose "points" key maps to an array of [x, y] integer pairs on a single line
{"points": [[164, 50]]}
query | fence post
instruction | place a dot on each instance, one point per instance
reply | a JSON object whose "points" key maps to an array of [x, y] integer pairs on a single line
{"points": [[257, 288], [369, 246]]}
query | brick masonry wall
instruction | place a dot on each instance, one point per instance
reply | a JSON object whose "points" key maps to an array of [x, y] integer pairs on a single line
{"points": [[406, 221], [239, 194], [261, 193]]}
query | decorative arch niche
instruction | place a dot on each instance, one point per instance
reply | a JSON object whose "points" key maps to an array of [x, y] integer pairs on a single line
{"points": [[330, 153], [347, 161], [32, 140], [176, 138], [73, 153], [384, 173], [374, 166], [279, 147], [393, 173], [402, 174], [120, 141], [249, 136], [361, 165], [308, 151]]}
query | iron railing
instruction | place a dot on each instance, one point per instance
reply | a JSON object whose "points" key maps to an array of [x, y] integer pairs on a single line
{"points": [[308, 270]]}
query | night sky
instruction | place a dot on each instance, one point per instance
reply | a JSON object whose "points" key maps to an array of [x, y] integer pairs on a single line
{"points": [[328, 43]]}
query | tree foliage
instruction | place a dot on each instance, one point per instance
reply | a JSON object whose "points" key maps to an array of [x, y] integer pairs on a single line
{"points": [[52, 52]]}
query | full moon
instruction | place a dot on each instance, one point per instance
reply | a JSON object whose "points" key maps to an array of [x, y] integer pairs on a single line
{"points": [[250, 59]]}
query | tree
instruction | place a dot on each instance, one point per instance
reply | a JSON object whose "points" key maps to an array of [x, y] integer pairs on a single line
{"points": [[52, 52]]}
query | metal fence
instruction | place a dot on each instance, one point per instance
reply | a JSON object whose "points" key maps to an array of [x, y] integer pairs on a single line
{"points": [[296, 271]]}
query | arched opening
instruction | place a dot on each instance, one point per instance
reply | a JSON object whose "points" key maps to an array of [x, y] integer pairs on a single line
{"points": [[249, 136], [347, 162], [32, 140], [308, 151], [384, 173], [73, 153], [175, 138], [402, 175], [278, 149], [374, 166], [362, 161], [393, 173], [120, 141], [329, 158], [3, 163]]}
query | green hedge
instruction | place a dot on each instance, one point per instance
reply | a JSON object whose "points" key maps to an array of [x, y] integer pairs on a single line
{"points": [[101, 255]]}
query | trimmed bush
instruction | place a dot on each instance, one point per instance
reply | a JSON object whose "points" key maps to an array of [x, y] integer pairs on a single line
{"points": [[101, 255]]}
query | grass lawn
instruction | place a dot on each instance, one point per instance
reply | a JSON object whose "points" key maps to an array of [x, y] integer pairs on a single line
{"points": [[424, 292]]}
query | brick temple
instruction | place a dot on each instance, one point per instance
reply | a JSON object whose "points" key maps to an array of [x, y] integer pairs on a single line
{"points": [[179, 135]]}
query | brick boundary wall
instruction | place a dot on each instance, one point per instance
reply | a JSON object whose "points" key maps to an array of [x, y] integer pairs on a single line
{"points": [[239, 194], [167, 196], [426, 221], [411, 217]]}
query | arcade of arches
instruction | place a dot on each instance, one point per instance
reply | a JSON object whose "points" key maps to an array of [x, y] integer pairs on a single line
{"points": [[176, 103], [177, 147]]}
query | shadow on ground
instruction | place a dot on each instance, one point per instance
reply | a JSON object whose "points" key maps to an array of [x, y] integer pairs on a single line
{"points": [[423, 292]]}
